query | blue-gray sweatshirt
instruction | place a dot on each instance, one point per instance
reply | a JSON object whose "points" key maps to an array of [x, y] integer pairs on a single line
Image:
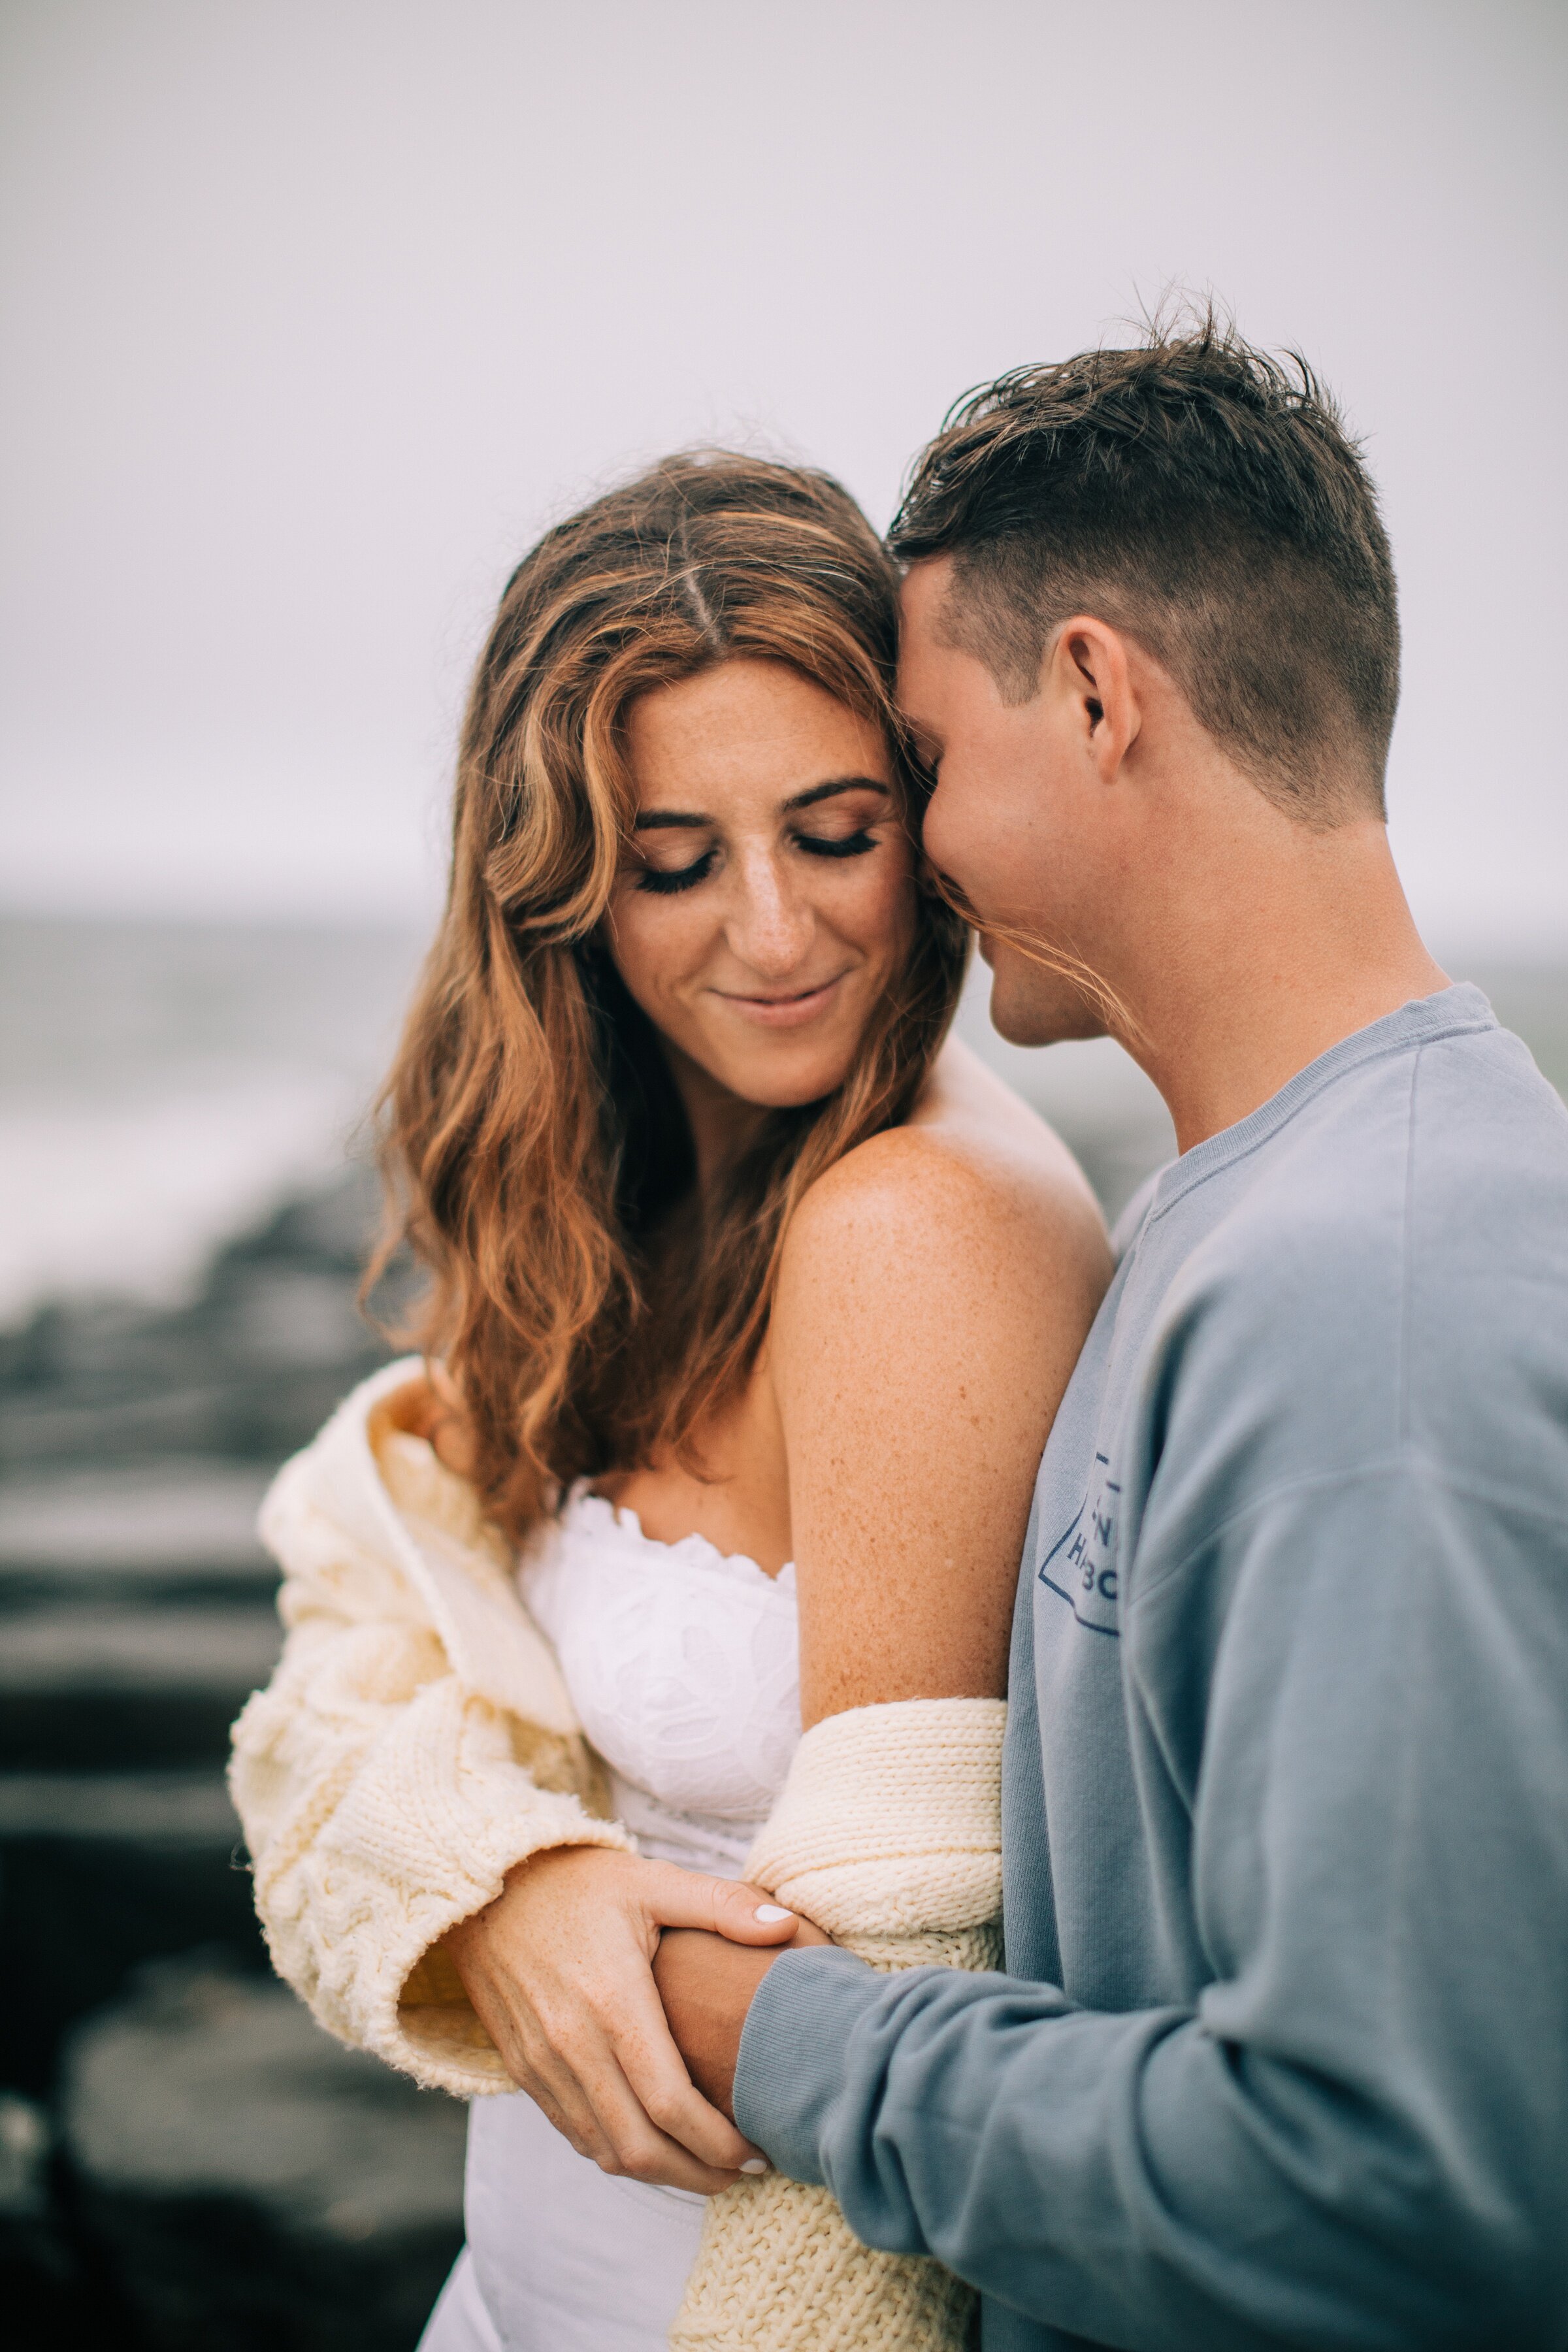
{"points": [[1281, 2056]]}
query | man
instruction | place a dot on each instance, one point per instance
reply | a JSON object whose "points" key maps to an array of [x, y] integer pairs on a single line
{"points": [[1281, 2057]]}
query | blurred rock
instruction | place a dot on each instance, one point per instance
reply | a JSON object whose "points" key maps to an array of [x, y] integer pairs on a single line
{"points": [[136, 1608], [99, 1871], [247, 1372], [46, 2292], [55, 2293], [233, 2178], [176, 1528], [24, 2161], [86, 1687], [255, 2188]]}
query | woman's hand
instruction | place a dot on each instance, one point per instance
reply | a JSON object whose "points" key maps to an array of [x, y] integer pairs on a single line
{"points": [[559, 1968]]}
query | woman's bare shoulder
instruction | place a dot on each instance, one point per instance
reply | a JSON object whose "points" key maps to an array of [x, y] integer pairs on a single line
{"points": [[969, 1230], [936, 1288], [974, 1165]]}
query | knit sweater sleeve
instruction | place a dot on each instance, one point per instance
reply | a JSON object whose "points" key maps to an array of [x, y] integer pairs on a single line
{"points": [[887, 1833], [382, 1800]]}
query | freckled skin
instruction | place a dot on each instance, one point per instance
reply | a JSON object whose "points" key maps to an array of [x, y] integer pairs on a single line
{"points": [[935, 1290], [940, 1279], [773, 910], [1227, 945], [935, 1293]]}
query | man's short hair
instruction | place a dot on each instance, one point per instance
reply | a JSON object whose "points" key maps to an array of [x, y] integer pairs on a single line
{"points": [[1204, 498]]}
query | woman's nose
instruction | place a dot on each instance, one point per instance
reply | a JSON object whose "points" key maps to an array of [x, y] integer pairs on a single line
{"points": [[770, 925]]}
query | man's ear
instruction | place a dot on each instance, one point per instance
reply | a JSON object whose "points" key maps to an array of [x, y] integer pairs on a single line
{"points": [[1089, 667]]}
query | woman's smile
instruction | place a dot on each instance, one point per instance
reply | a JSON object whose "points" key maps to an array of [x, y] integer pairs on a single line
{"points": [[779, 1010], [761, 960]]}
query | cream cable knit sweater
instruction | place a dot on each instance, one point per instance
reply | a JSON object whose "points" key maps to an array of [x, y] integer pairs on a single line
{"points": [[887, 1833], [418, 1740], [415, 1741]]}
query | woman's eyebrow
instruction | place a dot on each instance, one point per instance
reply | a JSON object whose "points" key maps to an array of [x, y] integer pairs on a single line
{"points": [[654, 820], [839, 784]]}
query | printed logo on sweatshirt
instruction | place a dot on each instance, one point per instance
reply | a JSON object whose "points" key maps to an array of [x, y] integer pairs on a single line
{"points": [[1081, 1565]]}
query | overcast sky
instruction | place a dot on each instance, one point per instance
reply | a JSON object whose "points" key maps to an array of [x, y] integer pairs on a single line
{"points": [[314, 314]]}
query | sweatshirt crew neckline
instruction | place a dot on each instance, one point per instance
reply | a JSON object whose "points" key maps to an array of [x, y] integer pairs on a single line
{"points": [[1458, 1009]]}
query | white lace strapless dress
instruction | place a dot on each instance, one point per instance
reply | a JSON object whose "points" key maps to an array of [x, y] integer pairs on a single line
{"points": [[683, 1665]]}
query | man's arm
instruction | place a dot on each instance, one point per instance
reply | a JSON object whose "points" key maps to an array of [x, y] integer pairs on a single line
{"points": [[707, 1987], [1360, 2135]]}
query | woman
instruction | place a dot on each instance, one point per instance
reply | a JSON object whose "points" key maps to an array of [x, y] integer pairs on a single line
{"points": [[755, 1301]]}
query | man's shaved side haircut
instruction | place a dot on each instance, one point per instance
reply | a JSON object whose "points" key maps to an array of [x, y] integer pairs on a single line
{"points": [[1206, 500]]}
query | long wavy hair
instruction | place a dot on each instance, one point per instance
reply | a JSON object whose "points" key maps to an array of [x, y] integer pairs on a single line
{"points": [[535, 1154]]}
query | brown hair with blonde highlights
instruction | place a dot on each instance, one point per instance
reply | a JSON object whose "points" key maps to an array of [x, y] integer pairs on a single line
{"points": [[534, 1149]]}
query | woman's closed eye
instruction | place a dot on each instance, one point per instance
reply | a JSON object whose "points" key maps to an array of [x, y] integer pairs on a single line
{"points": [[665, 880], [668, 878], [844, 844]]}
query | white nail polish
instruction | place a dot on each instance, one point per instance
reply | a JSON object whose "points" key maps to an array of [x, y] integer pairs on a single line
{"points": [[772, 1911], [756, 2164]]}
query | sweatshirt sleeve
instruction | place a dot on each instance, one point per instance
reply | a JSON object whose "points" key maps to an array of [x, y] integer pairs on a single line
{"points": [[1358, 2133]]}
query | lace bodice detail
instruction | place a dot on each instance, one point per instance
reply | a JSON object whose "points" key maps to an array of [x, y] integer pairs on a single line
{"points": [[683, 1664]]}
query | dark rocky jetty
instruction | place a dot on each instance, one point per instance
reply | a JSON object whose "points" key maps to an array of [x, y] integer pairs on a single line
{"points": [[254, 2183], [185, 2161]]}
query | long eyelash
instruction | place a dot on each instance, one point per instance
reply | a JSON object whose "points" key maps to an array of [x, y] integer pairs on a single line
{"points": [[853, 845], [664, 882]]}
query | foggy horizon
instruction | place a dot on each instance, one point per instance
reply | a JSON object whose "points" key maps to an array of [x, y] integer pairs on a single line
{"points": [[316, 318]]}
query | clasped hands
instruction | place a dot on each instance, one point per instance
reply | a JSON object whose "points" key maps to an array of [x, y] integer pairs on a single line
{"points": [[616, 1989]]}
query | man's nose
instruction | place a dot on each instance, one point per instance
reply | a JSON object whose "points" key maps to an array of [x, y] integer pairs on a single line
{"points": [[770, 925]]}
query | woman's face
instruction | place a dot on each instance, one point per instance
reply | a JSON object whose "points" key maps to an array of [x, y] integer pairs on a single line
{"points": [[767, 898]]}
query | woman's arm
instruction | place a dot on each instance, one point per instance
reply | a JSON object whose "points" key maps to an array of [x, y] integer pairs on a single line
{"points": [[402, 1828], [932, 1302], [558, 1970], [383, 1801], [930, 1309]]}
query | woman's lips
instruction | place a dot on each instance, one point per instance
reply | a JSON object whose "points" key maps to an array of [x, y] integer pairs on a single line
{"points": [[783, 1011]]}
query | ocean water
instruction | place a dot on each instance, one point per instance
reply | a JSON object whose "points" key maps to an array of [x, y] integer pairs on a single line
{"points": [[162, 1085]]}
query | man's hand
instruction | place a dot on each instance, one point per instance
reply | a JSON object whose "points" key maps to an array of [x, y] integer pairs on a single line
{"points": [[558, 1969], [706, 1986]]}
